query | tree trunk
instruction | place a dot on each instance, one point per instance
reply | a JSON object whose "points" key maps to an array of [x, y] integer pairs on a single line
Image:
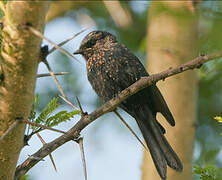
{"points": [[20, 52], [172, 40]]}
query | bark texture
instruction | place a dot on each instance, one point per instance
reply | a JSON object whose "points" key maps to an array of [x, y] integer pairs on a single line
{"points": [[20, 52], [172, 39]]}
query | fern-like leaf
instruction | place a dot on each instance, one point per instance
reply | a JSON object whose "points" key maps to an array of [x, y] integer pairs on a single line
{"points": [[61, 116], [47, 111]]}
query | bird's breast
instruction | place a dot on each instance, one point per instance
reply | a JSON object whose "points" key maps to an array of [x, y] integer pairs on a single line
{"points": [[103, 74]]}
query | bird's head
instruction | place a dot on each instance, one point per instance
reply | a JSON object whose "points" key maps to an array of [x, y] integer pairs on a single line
{"points": [[95, 40]]}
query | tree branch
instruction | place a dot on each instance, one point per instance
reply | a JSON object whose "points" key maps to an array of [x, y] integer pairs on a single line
{"points": [[109, 106], [48, 74]]}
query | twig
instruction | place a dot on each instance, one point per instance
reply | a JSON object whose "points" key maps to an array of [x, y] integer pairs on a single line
{"points": [[42, 126], [67, 40], [64, 97], [80, 142], [68, 102], [48, 74], [39, 34], [54, 78], [50, 155], [130, 129], [73, 133], [28, 137], [82, 112]]}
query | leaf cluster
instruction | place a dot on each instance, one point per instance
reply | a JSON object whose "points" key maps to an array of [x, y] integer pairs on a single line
{"points": [[219, 119], [208, 172], [46, 116]]}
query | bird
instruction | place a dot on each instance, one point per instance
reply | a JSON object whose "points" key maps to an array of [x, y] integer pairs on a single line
{"points": [[111, 68]]}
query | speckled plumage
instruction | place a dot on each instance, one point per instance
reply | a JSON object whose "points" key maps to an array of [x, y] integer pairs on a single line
{"points": [[112, 67]]}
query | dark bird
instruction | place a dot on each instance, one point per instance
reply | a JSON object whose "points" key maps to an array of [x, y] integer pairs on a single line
{"points": [[112, 67]]}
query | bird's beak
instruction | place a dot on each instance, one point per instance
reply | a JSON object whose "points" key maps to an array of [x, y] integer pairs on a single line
{"points": [[79, 51]]}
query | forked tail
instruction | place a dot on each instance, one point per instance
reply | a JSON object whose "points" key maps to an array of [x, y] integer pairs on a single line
{"points": [[161, 152]]}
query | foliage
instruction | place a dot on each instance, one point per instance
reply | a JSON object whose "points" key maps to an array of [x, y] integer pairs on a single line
{"points": [[208, 172], [47, 111], [46, 118], [61, 116], [218, 118]]}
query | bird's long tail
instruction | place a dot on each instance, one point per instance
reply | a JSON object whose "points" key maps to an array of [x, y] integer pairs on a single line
{"points": [[161, 152]]}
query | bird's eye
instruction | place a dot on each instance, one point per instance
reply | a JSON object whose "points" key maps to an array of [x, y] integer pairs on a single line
{"points": [[91, 43]]}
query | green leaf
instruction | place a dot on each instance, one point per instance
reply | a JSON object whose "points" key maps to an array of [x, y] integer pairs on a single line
{"points": [[218, 118], [199, 170], [61, 116], [207, 173], [44, 117], [48, 110]]}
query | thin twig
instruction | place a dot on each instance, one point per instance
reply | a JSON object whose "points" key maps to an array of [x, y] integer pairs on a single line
{"points": [[130, 129], [69, 103], [54, 78], [80, 106], [80, 142], [67, 40], [41, 139], [50, 155], [28, 137], [109, 106], [48, 74], [64, 97], [39, 34], [42, 126]]}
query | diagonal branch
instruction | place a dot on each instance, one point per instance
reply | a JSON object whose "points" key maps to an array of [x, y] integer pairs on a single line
{"points": [[54, 78], [130, 129], [39, 34], [80, 142], [41, 126], [66, 41], [50, 155], [109, 106], [48, 74]]}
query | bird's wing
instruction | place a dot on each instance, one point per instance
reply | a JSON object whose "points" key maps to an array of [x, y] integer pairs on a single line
{"points": [[131, 71]]}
